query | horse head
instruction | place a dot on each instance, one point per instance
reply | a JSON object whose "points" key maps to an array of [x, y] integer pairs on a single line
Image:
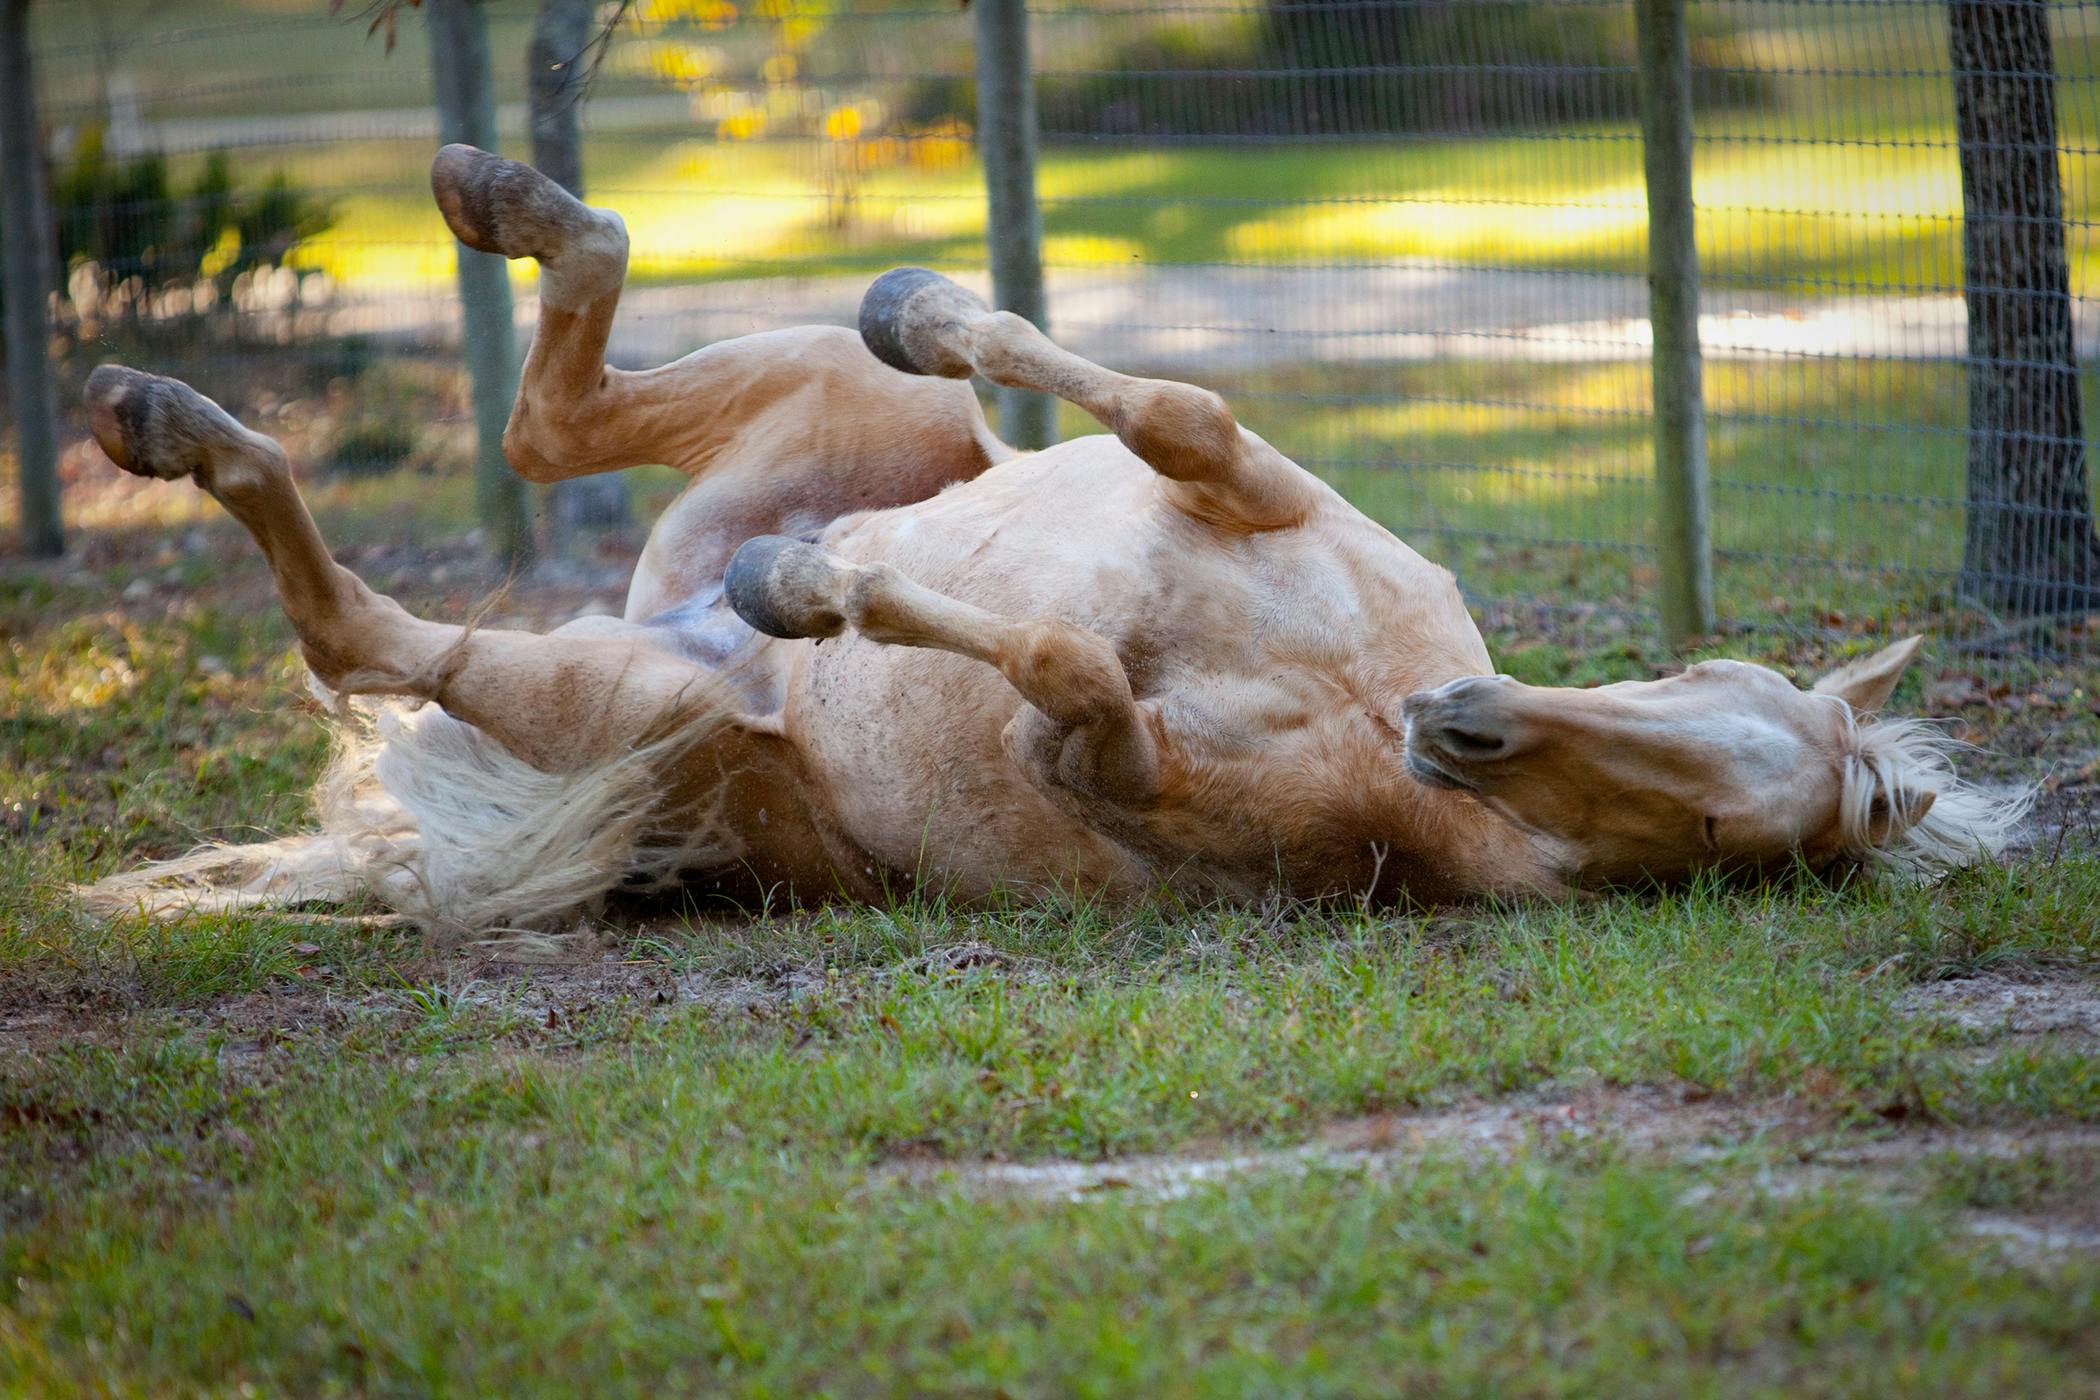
{"points": [[1725, 765]]}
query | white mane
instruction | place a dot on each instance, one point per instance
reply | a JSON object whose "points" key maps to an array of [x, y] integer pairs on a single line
{"points": [[1890, 766]]}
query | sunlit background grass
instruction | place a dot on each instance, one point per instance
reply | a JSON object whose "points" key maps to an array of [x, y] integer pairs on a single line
{"points": [[1838, 480]]}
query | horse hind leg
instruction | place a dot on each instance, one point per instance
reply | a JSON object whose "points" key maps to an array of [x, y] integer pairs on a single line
{"points": [[780, 432], [563, 768], [920, 322]]}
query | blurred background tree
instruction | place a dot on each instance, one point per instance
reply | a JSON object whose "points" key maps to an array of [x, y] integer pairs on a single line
{"points": [[143, 255]]}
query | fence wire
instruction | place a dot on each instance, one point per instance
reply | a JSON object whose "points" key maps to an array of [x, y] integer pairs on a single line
{"points": [[1405, 238]]}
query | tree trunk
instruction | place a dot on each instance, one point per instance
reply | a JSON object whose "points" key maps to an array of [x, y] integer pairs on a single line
{"points": [[2031, 546], [555, 70], [459, 69], [26, 256]]}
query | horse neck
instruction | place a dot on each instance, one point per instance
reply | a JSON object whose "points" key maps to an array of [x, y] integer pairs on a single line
{"points": [[1486, 854]]}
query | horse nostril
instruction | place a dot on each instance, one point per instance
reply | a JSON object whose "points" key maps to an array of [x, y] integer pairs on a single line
{"points": [[1471, 743]]}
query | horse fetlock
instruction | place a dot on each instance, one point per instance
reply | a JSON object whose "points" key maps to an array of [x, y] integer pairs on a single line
{"points": [[593, 265], [158, 427], [914, 319], [786, 588]]}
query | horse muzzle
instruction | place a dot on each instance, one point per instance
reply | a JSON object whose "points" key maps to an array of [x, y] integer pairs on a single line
{"points": [[1452, 730]]}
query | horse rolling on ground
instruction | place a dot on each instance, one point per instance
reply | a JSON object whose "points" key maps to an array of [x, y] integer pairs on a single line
{"points": [[871, 648]]}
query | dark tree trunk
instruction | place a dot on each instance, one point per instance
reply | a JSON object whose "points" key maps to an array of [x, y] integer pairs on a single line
{"points": [[466, 105], [27, 255], [555, 62], [2031, 547]]}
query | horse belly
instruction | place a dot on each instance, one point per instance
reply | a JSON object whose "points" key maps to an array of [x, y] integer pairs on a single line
{"points": [[906, 745], [908, 742]]}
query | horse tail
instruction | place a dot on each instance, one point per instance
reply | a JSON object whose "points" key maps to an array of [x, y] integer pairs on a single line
{"points": [[431, 819]]}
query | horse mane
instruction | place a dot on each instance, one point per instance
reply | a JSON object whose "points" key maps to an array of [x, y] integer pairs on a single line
{"points": [[1891, 767]]}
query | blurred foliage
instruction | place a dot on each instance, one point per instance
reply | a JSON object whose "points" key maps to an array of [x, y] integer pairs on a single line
{"points": [[1323, 67], [138, 253], [752, 69], [127, 236], [379, 426]]}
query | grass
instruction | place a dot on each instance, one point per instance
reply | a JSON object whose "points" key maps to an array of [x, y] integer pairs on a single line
{"points": [[310, 1157], [1840, 184], [699, 210], [439, 1197], [282, 1155]]}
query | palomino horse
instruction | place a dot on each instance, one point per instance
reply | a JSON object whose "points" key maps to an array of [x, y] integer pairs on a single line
{"points": [[871, 647]]}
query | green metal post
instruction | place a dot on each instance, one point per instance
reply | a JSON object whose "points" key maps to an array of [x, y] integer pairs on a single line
{"points": [[1683, 545], [1014, 224], [25, 264]]}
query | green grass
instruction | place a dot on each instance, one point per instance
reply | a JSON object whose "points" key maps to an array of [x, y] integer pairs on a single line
{"points": [[314, 1157], [305, 1157], [1795, 195], [702, 210], [442, 1198]]}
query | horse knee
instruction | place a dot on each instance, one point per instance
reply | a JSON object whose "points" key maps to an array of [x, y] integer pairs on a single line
{"points": [[1179, 430], [1067, 672], [545, 445]]}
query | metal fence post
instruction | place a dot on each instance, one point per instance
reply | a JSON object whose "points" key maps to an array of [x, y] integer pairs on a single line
{"points": [[459, 69], [1014, 223], [1683, 546], [25, 231]]}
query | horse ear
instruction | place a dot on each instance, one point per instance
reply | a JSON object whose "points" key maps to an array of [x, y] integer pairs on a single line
{"points": [[1887, 819], [1865, 684]]}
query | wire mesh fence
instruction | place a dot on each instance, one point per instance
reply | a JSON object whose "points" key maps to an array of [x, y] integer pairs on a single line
{"points": [[1406, 238]]}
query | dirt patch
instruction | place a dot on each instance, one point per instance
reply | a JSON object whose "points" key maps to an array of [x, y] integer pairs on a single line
{"points": [[2032, 1238], [1999, 1005], [2030, 1192], [2066, 813], [1650, 1120]]}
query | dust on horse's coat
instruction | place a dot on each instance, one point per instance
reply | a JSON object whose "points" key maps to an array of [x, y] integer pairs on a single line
{"points": [[872, 646]]}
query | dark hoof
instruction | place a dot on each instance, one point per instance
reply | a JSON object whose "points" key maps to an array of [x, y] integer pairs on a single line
{"points": [[494, 205], [781, 587], [153, 426], [903, 317]]}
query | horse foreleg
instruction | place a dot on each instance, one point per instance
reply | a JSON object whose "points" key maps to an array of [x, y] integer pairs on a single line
{"points": [[829, 423], [559, 702], [1083, 731], [922, 323]]}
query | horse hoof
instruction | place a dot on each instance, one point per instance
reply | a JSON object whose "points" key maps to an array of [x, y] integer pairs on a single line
{"points": [[786, 588], [494, 205], [153, 426], [908, 318]]}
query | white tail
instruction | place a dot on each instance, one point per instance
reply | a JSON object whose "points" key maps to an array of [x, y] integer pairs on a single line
{"points": [[433, 819]]}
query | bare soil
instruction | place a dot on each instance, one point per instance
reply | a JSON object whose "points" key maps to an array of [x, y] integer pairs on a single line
{"points": [[1675, 1123]]}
